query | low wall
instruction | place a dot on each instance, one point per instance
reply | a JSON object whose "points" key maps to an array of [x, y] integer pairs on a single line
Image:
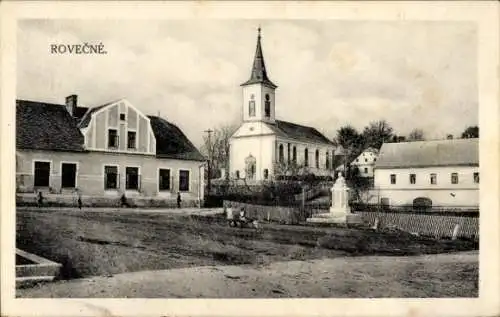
{"points": [[58, 200]]}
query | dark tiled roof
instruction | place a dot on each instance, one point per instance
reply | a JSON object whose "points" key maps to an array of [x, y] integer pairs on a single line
{"points": [[45, 126], [298, 132], [454, 152], [259, 73], [171, 141]]}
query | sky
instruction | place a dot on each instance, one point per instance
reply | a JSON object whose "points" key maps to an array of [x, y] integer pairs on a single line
{"points": [[330, 73]]}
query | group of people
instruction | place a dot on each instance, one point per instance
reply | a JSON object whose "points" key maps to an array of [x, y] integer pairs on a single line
{"points": [[123, 200], [240, 219]]}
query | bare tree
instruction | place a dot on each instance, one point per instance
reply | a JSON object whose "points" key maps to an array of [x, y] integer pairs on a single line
{"points": [[216, 149], [416, 135]]}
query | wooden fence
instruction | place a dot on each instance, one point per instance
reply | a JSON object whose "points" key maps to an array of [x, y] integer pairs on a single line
{"points": [[438, 224], [435, 224]]}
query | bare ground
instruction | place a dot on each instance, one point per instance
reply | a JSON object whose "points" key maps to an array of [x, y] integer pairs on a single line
{"points": [[444, 275], [202, 256]]}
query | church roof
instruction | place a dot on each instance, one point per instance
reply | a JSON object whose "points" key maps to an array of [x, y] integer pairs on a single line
{"points": [[259, 73], [457, 152], [298, 132]]}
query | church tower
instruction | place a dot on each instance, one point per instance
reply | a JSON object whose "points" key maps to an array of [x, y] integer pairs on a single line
{"points": [[258, 91]]}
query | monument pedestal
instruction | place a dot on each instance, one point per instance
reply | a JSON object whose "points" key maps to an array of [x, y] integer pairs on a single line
{"points": [[340, 212]]}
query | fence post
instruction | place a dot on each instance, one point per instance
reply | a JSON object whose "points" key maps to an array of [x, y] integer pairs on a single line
{"points": [[303, 198], [455, 232]]}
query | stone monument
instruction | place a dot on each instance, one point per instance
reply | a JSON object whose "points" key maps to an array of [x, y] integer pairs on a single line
{"points": [[340, 212]]}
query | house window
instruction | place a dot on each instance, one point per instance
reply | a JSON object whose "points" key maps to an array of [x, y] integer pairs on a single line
{"points": [[237, 174], [374, 159], [327, 161], [393, 179], [132, 178], [366, 170], [454, 178], [306, 157], [476, 178], [68, 175], [164, 179], [42, 174], [112, 138], [111, 177], [267, 106], [122, 116], [266, 173], [317, 158], [366, 160], [131, 140], [413, 178], [183, 181], [433, 179], [294, 154], [281, 154]]}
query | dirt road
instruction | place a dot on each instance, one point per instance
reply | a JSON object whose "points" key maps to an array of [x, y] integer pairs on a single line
{"points": [[442, 275]]}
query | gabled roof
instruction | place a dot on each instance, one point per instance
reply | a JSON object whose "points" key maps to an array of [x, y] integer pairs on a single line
{"points": [[298, 132], [456, 152], [259, 73], [84, 122], [171, 141], [46, 126]]}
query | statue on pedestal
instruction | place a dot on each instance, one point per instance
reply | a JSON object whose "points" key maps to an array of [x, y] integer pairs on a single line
{"points": [[340, 196]]}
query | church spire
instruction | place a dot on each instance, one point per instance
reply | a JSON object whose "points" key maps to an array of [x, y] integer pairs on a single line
{"points": [[259, 73]]}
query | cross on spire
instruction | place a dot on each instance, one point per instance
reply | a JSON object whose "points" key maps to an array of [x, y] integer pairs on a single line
{"points": [[259, 73]]}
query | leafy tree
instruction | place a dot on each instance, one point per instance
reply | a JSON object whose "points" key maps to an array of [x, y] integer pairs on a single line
{"points": [[416, 135], [471, 132], [376, 133], [351, 142]]}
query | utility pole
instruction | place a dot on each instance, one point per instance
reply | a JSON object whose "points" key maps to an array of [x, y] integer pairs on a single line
{"points": [[209, 148]]}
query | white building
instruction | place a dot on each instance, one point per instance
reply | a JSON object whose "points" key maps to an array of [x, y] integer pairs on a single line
{"points": [[445, 171], [262, 145], [365, 162]]}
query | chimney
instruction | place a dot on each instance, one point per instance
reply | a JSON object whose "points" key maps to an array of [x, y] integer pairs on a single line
{"points": [[71, 104]]}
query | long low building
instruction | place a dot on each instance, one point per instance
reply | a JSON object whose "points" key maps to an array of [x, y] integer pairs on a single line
{"points": [[444, 171], [104, 151]]}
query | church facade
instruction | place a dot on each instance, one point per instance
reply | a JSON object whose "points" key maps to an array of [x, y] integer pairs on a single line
{"points": [[264, 147]]}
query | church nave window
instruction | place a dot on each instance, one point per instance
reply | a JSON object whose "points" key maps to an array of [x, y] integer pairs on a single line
{"points": [[294, 155], [281, 154], [317, 158], [288, 153], [306, 157]]}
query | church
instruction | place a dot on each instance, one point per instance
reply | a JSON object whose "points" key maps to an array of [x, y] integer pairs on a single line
{"points": [[264, 147]]}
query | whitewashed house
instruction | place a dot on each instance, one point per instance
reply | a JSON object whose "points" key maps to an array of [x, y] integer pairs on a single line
{"points": [[365, 162], [262, 143], [445, 171]]}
